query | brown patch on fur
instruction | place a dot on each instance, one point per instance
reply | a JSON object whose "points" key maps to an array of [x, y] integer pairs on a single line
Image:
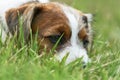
{"points": [[84, 37], [12, 18], [50, 21], [15, 16], [46, 18], [83, 33]]}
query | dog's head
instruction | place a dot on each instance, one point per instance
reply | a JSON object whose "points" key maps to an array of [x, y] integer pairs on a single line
{"points": [[54, 21]]}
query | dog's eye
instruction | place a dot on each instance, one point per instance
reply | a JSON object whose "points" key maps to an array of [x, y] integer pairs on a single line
{"points": [[85, 43], [53, 39]]}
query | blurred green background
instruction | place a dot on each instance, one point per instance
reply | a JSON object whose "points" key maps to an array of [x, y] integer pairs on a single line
{"points": [[16, 64]]}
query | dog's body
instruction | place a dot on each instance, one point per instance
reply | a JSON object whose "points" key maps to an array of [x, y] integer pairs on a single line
{"points": [[51, 20]]}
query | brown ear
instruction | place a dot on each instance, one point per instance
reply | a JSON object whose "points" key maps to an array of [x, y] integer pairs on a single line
{"points": [[25, 14]]}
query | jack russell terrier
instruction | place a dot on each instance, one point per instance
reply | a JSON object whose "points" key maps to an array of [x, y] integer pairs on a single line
{"points": [[50, 20]]}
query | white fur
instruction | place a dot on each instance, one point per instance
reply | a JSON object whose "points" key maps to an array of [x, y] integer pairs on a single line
{"points": [[5, 5], [43, 1], [89, 16], [76, 49]]}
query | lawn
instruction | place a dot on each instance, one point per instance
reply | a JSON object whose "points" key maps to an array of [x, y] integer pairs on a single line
{"points": [[23, 63]]}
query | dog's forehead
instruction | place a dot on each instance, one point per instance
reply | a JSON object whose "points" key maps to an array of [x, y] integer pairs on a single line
{"points": [[65, 15], [55, 18], [51, 20], [75, 18]]}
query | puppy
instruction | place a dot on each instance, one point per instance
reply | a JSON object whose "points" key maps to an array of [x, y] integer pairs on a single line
{"points": [[50, 20]]}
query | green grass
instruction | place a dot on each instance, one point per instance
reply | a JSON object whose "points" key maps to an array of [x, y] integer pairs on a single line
{"points": [[23, 63]]}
